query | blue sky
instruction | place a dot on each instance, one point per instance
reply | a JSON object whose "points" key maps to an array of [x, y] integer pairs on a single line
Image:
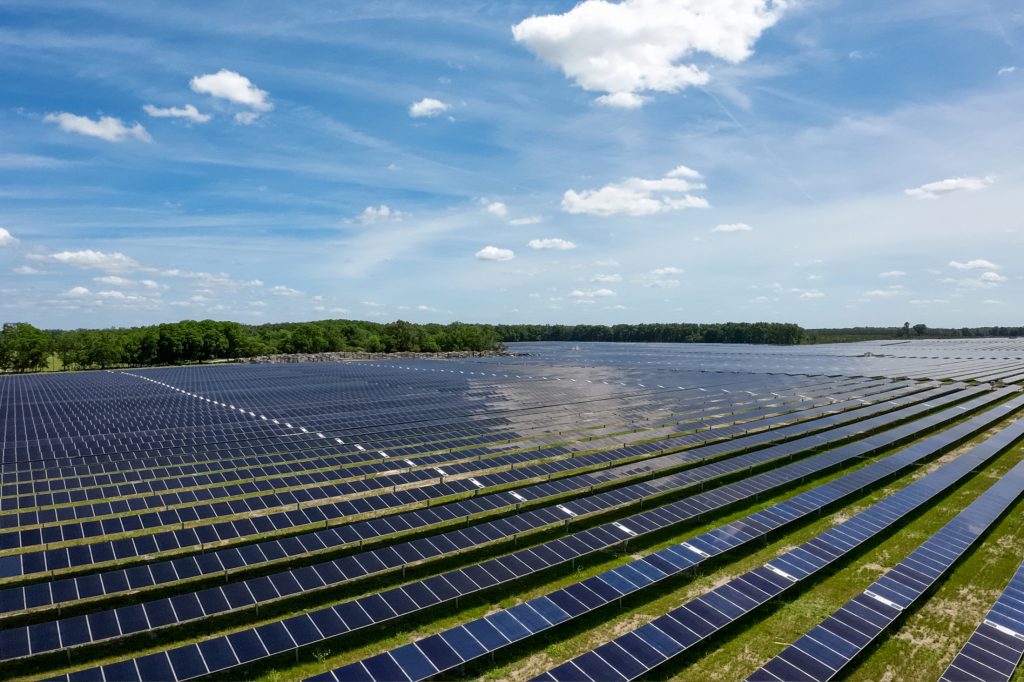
{"points": [[815, 161]]}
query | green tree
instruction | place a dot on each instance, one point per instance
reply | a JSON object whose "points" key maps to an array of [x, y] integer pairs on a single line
{"points": [[24, 347]]}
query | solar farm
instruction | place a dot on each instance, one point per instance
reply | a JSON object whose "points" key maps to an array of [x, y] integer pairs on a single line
{"points": [[572, 512]]}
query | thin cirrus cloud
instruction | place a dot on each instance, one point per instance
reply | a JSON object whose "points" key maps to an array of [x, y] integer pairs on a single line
{"points": [[889, 274], [188, 112], [106, 128], [494, 253], [629, 48], [940, 188], [234, 87], [732, 227], [552, 243], [428, 107], [638, 196], [526, 220]]}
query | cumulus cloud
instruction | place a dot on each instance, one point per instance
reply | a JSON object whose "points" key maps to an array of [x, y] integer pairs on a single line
{"points": [[188, 111], [976, 264], [613, 277], [88, 259], [528, 220], [376, 214], [6, 238], [635, 46], [281, 290], [234, 87], [496, 208], [591, 293], [428, 107], [660, 278], [76, 292], [986, 280], [806, 294], [26, 270], [889, 274], [495, 254], [639, 197], [732, 227], [552, 243], [939, 188], [106, 128], [890, 292]]}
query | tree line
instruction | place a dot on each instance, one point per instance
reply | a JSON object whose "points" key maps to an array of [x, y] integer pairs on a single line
{"points": [[907, 331], [26, 348], [668, 332]]}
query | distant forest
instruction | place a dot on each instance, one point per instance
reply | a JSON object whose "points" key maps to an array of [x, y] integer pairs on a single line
{"points": [[26, 348]]}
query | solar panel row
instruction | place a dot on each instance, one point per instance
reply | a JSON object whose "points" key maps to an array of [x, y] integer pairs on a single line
{"points": [[830, 646], [624, 659], [995, 649], [647, 573]]}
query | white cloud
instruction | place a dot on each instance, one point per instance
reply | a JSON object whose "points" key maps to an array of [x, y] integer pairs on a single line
{"points": [[658, 278], [607, 263], [591, 293], [496, 208], [732, 227], [635, 46], [992, 301], [188, 111], [928, 301], [281, 290], [26, 270], [808, 293], [76, 292], [607, 279], [375, 214], [246, 118], [1006, 70], [494, 253], [622, 100], [934, 190], [114, 280], [638, 197], [976, 264], [528, 220], [889, 274], [87, 259], [428, 107], [234, 87], [552, 243], [986, 280], [891, 292], [106, 128], [6, 238]]}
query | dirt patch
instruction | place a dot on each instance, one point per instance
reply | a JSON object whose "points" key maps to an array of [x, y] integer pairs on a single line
{"points": [[531, 667]]}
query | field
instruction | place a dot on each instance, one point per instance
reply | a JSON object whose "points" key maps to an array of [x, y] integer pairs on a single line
{"points": [[582, 511]]}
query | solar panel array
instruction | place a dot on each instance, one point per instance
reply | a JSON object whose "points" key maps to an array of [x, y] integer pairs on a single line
{"points": [[995, 649], [252, 516]]}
